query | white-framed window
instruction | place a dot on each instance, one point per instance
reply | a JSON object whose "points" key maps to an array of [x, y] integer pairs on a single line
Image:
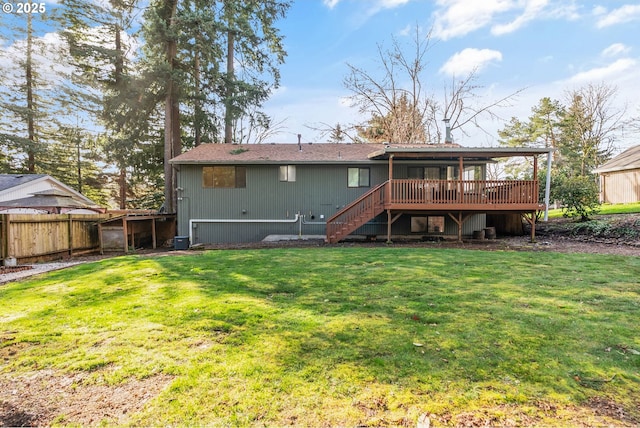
{"points": [[288, 173], [358, 177]]}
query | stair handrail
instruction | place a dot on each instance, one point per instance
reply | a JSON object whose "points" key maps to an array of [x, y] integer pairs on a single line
{"points": [[376, 196]]}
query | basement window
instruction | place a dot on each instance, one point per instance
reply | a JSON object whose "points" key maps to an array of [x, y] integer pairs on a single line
{"points": [[435, 224], [358, 177], [288, 173], [224, 177]]}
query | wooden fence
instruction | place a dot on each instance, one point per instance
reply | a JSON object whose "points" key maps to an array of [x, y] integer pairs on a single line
{"points": [[46, 236]]}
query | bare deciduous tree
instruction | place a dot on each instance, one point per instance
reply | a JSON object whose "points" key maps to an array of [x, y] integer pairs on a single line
{"points": [[591, 127], [398, 105]]}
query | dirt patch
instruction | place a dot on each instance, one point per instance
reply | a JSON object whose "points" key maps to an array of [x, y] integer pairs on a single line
{"points": [[45, 398], [602, 406]]}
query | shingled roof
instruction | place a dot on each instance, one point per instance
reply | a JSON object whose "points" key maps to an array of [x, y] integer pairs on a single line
{"points": [[629, 159], [293, 153], [325, 153], [8, 181]]}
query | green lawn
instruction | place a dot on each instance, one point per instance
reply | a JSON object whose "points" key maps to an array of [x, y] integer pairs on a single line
{"points": [[343, 336], [606, 209]]}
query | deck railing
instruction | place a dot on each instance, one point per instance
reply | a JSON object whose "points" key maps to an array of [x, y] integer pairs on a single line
{"points": [[473, 192], [438, 195], [356, 213]]}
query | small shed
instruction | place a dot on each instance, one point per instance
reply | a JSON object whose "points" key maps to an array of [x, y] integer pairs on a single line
{"points": [[620, 178], [135, 230]]}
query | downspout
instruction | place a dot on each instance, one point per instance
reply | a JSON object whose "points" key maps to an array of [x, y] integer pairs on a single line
{"points": [[231, 221]]}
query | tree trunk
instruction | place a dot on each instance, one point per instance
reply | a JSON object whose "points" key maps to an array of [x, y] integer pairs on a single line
{"points": [[118, 78], [197, 124], [172, 146], [31, 133], [228, 116], [122, 184]]}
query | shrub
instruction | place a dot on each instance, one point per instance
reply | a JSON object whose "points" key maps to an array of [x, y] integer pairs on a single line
{"points": [[579, 196]]}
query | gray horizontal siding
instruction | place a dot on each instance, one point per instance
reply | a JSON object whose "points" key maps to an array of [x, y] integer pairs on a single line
{"points": [[318, 192]]}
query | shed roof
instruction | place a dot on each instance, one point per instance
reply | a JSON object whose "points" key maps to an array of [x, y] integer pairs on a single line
{"points": [[629, 159], [337, 153]]}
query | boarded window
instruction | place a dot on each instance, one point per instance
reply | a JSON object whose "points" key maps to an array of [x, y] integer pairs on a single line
{"points": [[358, 177], [288, 173], [224, 177]]}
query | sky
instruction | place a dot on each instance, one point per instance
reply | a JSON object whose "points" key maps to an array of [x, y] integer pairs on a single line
{"points": [[536, 48], [543, 48]]}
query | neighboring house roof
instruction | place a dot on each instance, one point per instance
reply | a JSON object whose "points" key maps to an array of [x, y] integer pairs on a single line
{"points": [[45, 200], [14, 186], [8, 181], [51, 200], [335, 153], [629, 159]]}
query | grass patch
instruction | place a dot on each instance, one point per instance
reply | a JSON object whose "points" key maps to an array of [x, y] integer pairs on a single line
{"points": [[605, 209], [342, 336]]}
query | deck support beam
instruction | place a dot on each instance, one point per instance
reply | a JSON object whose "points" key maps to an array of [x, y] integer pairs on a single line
{"points": [[459, 220], [531, 219], [390, 221]]}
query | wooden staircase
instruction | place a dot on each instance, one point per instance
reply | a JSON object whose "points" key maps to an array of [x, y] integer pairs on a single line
{"points": [[356, 214]]}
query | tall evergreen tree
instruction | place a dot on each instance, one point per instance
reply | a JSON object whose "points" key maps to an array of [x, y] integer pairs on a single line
{"points": [[101, 42], [24, 103], [186, 42]]}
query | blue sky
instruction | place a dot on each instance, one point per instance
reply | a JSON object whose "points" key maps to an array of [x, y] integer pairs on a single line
{"points": [[542, 47], [545, 47]]}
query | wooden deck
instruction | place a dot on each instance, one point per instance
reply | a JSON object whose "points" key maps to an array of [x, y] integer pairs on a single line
{"points": [[445, 196], [454, 195]]}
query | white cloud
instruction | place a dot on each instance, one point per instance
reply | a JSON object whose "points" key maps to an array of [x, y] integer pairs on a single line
{"points": [[380, 5], [615, 50], [532, 10], [459, 17], [607, 73], [406, 31], [469, 60], [330, 3], [626, 13], [456, 18]]}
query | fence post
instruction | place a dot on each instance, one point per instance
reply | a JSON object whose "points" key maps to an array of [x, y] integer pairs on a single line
{"points": [[3, 236], [6, 235], [70, 233]]}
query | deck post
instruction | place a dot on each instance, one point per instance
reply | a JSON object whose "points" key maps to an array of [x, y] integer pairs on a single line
{"points": [[125, 234], [533, 226], [389, 190], [389, 222], [459, 221], [460, 186], [547, 188]]}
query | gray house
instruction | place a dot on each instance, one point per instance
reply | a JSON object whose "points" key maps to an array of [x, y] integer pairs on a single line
{"points": [[243, 193]]}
